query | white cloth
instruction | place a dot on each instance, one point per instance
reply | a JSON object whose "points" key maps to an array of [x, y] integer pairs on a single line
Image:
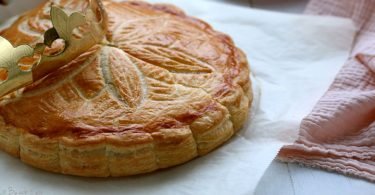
{"points": [[293, 58]]}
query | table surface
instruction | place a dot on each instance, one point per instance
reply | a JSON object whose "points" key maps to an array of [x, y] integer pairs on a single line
{"points": [[293, 179]]}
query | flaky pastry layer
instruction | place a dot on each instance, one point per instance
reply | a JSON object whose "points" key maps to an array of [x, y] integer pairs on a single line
{"points": [[162, 89]]}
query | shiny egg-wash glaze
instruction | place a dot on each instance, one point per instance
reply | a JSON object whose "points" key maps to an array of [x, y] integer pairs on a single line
{"points": [[162, 89]]}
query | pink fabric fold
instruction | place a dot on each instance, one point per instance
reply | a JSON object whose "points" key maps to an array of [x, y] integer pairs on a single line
{"points": [[339, 133]]}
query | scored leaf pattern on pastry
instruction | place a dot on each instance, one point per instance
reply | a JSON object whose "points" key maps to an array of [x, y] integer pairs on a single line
{"points": [[174, 61], [152, 62], [163, 88], [126, 77]]}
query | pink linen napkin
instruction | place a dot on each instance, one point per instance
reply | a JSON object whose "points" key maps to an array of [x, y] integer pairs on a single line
{"points": [[339, 133]]}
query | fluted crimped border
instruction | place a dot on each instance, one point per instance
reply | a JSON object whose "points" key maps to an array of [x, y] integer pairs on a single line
{"points": [[135, 152]]}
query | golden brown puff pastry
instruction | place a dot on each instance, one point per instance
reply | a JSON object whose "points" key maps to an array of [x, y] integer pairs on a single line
{"points": [[163, 89]]}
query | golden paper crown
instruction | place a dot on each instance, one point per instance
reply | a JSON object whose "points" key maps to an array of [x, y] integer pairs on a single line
{"points": [[93, 20]]}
